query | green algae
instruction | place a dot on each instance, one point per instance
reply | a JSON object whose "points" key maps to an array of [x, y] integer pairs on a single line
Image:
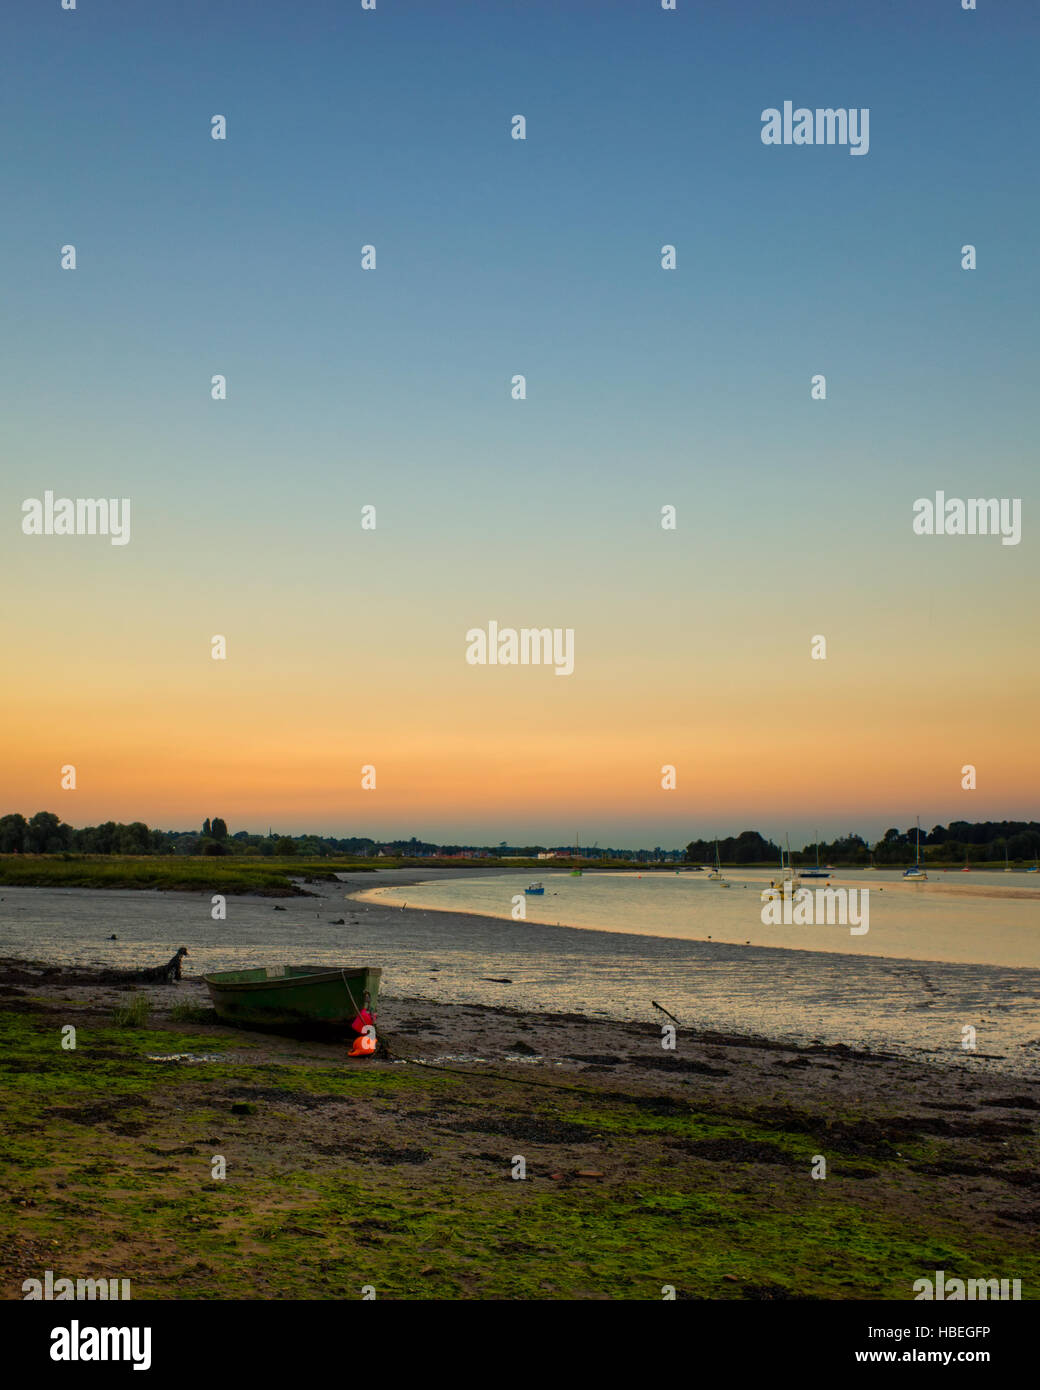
{"points": [[114, 1180]]}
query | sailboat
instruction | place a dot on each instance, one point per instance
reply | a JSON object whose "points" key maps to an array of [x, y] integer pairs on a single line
{"points": [[817, 872], [716, 874], [915, 872], [788, 875], [1007, 861]]}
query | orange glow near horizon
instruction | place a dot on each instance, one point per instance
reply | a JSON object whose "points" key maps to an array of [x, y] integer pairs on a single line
{"points": [[762, 736], [506, 762]]}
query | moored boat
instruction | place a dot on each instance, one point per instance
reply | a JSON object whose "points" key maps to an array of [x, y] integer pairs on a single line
{"points": [[825, 872], [294, 994], [915, 873], [787, 873], [534, 890], [716, 874]]}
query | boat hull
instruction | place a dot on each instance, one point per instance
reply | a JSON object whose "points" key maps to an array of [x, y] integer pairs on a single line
{"points": [[294, 995]]}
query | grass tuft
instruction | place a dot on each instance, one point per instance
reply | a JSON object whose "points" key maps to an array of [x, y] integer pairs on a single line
{"points": [[133, 1014]]}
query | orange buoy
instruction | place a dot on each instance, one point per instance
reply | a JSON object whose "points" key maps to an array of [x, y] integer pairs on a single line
{"points": [[364, 1046]]}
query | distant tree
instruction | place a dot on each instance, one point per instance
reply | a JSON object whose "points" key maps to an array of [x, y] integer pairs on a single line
{"points": [[750, 848], [285, 846], [207, 829], [219, 829], [45, 834], [212, 847], [134, 838], [13, 832]]}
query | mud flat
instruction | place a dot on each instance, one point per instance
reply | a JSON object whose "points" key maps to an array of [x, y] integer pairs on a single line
{"points": [[643, 1167]]}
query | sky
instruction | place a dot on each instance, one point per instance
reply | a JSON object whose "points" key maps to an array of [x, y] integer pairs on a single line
{"points": [[392, 388]]}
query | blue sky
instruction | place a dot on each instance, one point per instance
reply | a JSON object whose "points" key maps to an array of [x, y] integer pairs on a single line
{"points": [[497, 256]]}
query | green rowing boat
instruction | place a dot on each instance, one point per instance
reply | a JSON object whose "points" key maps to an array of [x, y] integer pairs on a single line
{"points": [[294, 994]]}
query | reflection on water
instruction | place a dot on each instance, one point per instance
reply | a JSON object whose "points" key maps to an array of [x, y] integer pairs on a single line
{"points": [[914, 1007], [990, 920]]}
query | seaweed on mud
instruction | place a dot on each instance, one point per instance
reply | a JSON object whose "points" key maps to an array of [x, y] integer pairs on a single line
{"points": [[306, 1100], [522, 1129], [1014, 1102], [901, 1125], [768, 1291], [670, 1063], [734, 1151], [108, 1113], [384, 1154]]}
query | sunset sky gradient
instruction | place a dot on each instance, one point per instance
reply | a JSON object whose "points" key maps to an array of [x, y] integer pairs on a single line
{"points": [[645, 388]]}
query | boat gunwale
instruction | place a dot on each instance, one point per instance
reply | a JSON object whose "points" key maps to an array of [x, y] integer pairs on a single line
{"points": [[289, 981]]}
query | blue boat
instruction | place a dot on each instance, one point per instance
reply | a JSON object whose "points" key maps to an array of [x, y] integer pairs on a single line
{"points": [[825, 872], [534, 890]]}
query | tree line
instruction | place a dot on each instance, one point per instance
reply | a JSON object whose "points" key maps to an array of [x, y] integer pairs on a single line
{"points": [[46, 833], [970, 841]]}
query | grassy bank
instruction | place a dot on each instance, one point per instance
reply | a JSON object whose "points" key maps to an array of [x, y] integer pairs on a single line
{"points": [[176, 873], [341, 1175], [219, 873]]}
